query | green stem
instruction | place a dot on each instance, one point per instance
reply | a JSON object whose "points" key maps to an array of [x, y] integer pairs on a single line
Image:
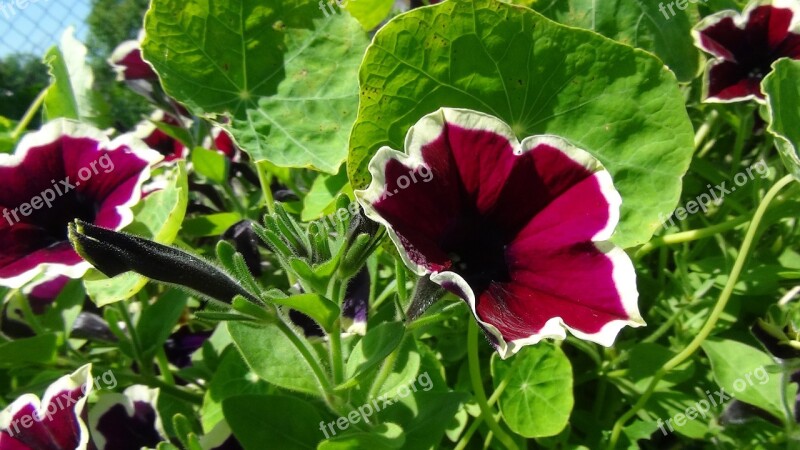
{"points": [[719, 308], [237, 205], [266, 186], [28, 314], [174, 391], [337, 362], [477, 386], [383, 374], [26, 119], [163, 366], [322, 379], [789, 421], [688, 236], [467, 436], [138, 351], [336, 292]]}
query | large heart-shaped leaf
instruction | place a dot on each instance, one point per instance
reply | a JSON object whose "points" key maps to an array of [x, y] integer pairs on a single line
{"points": [[652, 25], [618, 103], [284, 73]]}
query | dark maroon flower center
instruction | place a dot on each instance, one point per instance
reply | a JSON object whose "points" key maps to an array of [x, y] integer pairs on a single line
{"points": [[54, 223], [477, 249]]}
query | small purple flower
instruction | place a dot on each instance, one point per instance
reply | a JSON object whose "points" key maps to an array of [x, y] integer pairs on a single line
{"points": [[182, 343], [128, 421], [54, 423], [519, 230], [62, 172], [745, 46]]}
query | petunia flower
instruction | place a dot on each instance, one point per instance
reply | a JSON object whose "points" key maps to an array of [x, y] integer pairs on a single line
{"points": [[126, 60], [181, 344], [158, 140], [62, 172], [127, 421], [223, 143], [54, 423], [519, 230], [745, 45]]}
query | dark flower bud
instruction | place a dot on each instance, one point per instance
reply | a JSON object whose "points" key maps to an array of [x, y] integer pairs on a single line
{"points": [[93, 327], [246, 242], [114, 253]]}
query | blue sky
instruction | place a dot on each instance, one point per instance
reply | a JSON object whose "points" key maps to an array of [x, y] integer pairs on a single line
{"points": [[39, 24]]}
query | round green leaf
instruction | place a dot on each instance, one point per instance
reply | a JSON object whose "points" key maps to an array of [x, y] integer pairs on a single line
{"points": [[620, 104], [537, 400], [284, 73]]}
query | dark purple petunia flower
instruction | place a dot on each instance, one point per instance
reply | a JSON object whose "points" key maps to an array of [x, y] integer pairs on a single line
{"points": [[126, 60], [147, 131], [518, 230], [224, 144], [182, 343], [54, 423], [128, 421], [745, 46], [356, 304], [62, 172]]}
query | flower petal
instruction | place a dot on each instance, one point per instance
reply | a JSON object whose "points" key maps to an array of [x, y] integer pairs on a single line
{"points": [[85, 175], [52, 424], [128, 421]]}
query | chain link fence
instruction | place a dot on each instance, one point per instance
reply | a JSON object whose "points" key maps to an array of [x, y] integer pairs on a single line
{"points": [[33, 26]]}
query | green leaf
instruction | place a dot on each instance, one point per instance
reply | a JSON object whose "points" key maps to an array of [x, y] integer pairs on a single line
{"points": [[782, 90], [647, 358], [211, 164], [34, 350], [384, 436], [71, 94], [271, 355], [231, 378], [537, 400], [319, 308], [369, 13], [157, 217], [283, 73], [374, 348], [7, 141], [286, 423], [618, 103], [210, 224], [158, 319], [424, 416], [321, 198], [638, 23], [741, 370]]}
